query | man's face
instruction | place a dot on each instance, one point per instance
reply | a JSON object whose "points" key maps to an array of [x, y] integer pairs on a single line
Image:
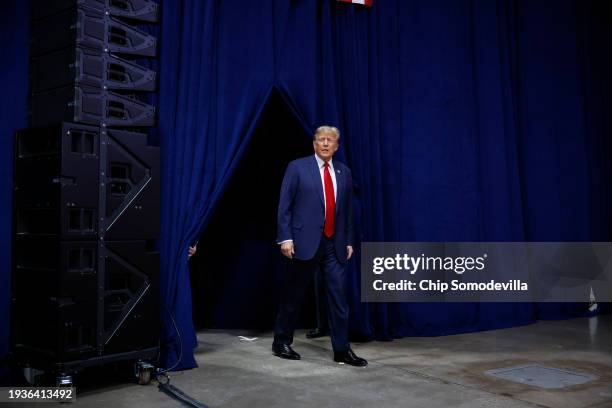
{"points": [[325, 145]]}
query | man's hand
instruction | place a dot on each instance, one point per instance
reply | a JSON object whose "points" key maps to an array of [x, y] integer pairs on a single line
{"points": [[349, 252], [192, 251], [287, 249]]}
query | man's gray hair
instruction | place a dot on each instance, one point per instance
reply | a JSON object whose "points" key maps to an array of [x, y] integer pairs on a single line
{"points": [[327, 129]]}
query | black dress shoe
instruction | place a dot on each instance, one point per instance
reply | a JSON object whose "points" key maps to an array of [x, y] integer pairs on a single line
{"points": [[316, 333], [348, 357], [285, 351]]}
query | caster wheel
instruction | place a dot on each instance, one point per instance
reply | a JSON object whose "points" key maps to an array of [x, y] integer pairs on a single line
{"points": [[63, 380], [142, 372], [33, 376]]}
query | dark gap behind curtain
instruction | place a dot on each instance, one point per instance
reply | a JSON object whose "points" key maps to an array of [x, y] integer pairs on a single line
{"points": [[235, 272]]}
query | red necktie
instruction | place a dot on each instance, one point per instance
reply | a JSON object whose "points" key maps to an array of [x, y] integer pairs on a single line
{"points": [[330, 202]]}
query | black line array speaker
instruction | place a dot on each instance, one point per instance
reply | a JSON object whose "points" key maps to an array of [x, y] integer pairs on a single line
{"points": [[85, 104], [140, 10], [87, 190], [88, 27], [72, 182], [60, 313], [88, 67], [82, 58], [86, 221]]}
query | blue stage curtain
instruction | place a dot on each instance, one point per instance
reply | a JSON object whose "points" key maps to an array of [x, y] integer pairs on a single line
{"points": [[462, 121], [14, 17]]}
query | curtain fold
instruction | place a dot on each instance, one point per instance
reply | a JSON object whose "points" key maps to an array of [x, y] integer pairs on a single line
{"points": [[14, 28]]}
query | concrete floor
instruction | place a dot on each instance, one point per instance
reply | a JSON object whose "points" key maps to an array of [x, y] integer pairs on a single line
{"points": [[411, 372]]}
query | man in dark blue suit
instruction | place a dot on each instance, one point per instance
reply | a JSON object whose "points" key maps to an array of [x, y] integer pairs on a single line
{"points": [[315, 230]]}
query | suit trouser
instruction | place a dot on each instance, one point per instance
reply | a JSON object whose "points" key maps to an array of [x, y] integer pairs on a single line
{"points": [[296, 281], [320, 302]]}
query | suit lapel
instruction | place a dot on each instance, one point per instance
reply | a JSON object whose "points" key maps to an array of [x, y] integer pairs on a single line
{"points": [[316, 178], [339, 186]]}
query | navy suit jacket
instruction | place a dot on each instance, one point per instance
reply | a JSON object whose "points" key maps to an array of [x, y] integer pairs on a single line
{"points": [[301, 208]]}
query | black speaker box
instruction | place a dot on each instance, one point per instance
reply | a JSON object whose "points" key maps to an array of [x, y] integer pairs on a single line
{"points": [[87, 104], [75, 181], [132, 187], [141, 10], [90, 28], [84, 66], [55, 295], [56, 187], [75, 300], [131, 296]]}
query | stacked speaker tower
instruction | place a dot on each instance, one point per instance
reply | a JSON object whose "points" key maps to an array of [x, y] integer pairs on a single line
{"points": [[86, 197]]}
